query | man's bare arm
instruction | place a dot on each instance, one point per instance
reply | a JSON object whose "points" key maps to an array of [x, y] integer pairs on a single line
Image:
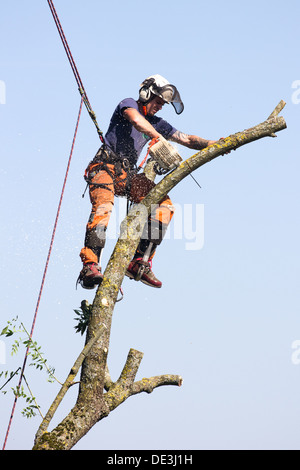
{"points": [[191, 141], [140, 123]]}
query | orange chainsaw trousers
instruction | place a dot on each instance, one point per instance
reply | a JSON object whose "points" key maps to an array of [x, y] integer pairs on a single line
{"points": [[105, 183]]}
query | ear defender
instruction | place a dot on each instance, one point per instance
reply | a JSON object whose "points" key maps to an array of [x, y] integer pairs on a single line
{"points": [[144, 94], [145, 90]]}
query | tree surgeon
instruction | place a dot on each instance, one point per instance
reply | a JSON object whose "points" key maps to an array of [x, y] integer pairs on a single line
{"points": [[113, 171]]}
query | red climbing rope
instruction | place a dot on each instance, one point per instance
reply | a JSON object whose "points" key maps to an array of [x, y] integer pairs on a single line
{"points": [[44, 275], [85, 100]]}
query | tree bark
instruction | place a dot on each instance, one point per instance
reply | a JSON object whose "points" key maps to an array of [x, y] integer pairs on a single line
{"points": [[98, 395]]}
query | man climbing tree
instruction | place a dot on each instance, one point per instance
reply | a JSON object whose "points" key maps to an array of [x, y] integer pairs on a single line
{"points": [[113, 171], [98, 394]]}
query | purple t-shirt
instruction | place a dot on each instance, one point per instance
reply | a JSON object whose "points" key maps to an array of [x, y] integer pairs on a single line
{"points": [[126, 141]]}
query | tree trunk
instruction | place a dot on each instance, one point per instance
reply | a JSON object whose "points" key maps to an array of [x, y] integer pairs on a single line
{"points": [[98, 394]]}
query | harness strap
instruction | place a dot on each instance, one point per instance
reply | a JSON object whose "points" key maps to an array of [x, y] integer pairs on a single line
{"points": [[102, 159], [89, 175], [107, 156]]}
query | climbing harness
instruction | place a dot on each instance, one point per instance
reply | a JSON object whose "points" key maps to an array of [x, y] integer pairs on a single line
{"points": [[104, 157]]}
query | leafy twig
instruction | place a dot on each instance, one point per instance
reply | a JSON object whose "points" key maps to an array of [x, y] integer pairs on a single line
{"points": [[84, 315], [37, 356]]}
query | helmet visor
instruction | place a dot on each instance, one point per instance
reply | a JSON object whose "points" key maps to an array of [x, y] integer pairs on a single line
{"points": [[170, 94]]}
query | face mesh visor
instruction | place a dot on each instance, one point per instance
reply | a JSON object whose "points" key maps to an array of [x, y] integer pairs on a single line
{"points": [[170, 94]]}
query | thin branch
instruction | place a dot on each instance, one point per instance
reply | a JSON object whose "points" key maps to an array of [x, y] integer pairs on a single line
{"points": [[130, 368], [276, 111], [232, 142], [68, 382], [44, 361], [33, 397], [11, 377], [125, 386], [108, 382], [148, 385]]}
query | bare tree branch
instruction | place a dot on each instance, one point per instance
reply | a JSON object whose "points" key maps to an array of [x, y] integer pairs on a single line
{"points": [[276, 111], [148, 385]]}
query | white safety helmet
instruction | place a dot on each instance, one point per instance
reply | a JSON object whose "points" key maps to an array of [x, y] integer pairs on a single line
{"points": [[160, 86]]}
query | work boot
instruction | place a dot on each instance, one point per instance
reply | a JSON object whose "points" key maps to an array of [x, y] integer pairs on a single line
{"points": [[90, 276], [147, 277]]}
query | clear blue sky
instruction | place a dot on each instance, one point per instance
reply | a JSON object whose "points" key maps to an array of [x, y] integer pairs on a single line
{"points": [[228, 313]]}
